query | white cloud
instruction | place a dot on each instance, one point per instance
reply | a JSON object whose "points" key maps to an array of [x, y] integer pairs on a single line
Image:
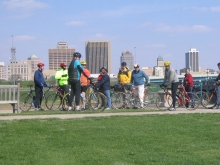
{"points": [[24, 4], [145, 24], [194, 28], [99, 35], [24, 38], [76, 23], [215, 9], [156, 46], [204, 9]]}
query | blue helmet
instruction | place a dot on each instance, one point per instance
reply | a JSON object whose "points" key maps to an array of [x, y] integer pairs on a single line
{"points": [[123, 64], [77, 54]]}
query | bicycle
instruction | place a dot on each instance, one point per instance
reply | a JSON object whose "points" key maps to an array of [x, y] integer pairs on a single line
{"points": [[118, 98], [27, 100], [133, 100], [210, 97], [54, 100]]}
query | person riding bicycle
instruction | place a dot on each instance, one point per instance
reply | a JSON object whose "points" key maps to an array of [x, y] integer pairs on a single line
{"points": [[104, 86], [137, 77], [170, 78], [124, 74], [188, 84], [74, 72], [85, 82], [62, 77], [39, 84], [218, 89]]}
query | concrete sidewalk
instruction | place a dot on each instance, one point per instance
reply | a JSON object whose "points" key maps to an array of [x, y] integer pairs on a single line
{"points": [[82, 115]]}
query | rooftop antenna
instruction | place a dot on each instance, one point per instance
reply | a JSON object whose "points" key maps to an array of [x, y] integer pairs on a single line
{"points": [[13, 51]]}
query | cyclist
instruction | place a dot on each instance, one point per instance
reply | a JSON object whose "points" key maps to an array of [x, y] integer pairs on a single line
{"points": [[170, 77], [74, 72], [137, 77], [104, 86], [218, 89], [39, 84], [62, 77], [188, 83], [84, 81], [124, 74]]}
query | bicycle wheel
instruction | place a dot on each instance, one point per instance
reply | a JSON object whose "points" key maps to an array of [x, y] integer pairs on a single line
{"points": [[43, 103], [193, 102], [150, 99], [170, 102], [26, 101], [209, 100], [53, 102], [65, 103], [118, 100], [98, 101], [163, 101]]}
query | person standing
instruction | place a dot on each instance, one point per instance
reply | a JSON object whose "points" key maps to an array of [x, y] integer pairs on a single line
{"points": [[62, 77], [171, 78], [188, 84], [85, 82], [137, 77], [104, 86], [124, 74], [39, 85], [74, 72], [218, 89]]}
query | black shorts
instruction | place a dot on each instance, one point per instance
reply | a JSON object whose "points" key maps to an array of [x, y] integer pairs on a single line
{"points": [[84, 88]]}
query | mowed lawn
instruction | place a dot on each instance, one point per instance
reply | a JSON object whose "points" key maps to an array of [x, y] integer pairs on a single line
{"points": [[122, 140]]}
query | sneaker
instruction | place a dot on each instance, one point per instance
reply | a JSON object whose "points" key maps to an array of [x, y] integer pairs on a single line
{"points": [[77, 108], [41, 109], [216, 107], [107, 108], [70, 108], [36, 109], [172, 109]]}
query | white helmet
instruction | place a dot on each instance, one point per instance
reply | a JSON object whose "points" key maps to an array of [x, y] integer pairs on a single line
{"points": [[136, 65]]}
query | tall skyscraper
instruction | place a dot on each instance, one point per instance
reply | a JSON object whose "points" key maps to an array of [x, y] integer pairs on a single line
{"points": [[127, 57], [98, 54], [192, 60], [61, 54]]}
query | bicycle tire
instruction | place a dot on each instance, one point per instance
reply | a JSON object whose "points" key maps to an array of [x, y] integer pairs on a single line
{"points": [[65, 104], [209, 100], [118, 100], [98, 101], [163, 101], [170, 102], [25, 102], [53, 101], [194, 103]]}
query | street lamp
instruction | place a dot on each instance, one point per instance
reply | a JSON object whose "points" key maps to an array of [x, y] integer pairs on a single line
{"points": [[135, 54]]}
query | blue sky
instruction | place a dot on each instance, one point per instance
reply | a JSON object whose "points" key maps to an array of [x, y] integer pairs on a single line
{"points": [[167, 28]]}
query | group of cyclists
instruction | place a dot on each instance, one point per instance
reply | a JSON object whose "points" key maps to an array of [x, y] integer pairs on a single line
{"points": [[78, 77]]}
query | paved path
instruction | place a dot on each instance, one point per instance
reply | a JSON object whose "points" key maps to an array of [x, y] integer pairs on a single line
{"points": [[82, 115]]}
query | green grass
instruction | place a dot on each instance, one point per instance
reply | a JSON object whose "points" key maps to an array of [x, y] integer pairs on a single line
{"points": [[140, 140]]}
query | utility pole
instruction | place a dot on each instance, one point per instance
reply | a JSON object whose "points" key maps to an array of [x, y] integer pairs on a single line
{"points": [[13, 61]]}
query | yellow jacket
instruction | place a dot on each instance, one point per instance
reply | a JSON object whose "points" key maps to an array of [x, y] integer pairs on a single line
{"points": [[62, 77], [124, 76]]}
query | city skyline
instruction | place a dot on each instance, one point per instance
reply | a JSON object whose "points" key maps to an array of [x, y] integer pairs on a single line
{"points": [[145, 28]]}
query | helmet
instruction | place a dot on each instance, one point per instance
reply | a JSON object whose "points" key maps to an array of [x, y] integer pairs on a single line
{"points": [[77, 54], [83, 63], [100, 70], [218, 64], [40, 64], [104, 69], [167, 63], [62, 64], [136, 65], [123, 63]]}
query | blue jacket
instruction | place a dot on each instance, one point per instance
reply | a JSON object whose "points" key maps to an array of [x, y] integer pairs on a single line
{"points": [[104, 83], [79, 67], [138, 77], [39, 79]]}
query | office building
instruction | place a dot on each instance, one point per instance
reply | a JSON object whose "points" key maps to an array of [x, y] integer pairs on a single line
{"points": [[98, 54], [160, 62], [192, 60], [33, 60], [19, 71], [2, 71], [127, 57], [60, 54], [148, 71]]}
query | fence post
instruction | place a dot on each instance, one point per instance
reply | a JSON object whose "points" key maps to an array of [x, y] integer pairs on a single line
{"points": [[18, 98]]}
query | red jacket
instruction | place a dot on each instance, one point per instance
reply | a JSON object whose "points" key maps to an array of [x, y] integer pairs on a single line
{"points": [[188, 80], [100, 77]]}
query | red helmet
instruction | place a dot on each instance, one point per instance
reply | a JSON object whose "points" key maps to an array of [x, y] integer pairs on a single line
{"points": [[40, 64], [62, 64]]}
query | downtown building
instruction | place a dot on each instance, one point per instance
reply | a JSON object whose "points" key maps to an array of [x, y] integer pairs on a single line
{"points": [[192, 60], [98, 54], [127, 57], [3, 75], [62, 53]]}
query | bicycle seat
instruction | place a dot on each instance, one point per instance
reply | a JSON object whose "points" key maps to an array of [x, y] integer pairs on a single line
{"points": [[30, 85]]}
